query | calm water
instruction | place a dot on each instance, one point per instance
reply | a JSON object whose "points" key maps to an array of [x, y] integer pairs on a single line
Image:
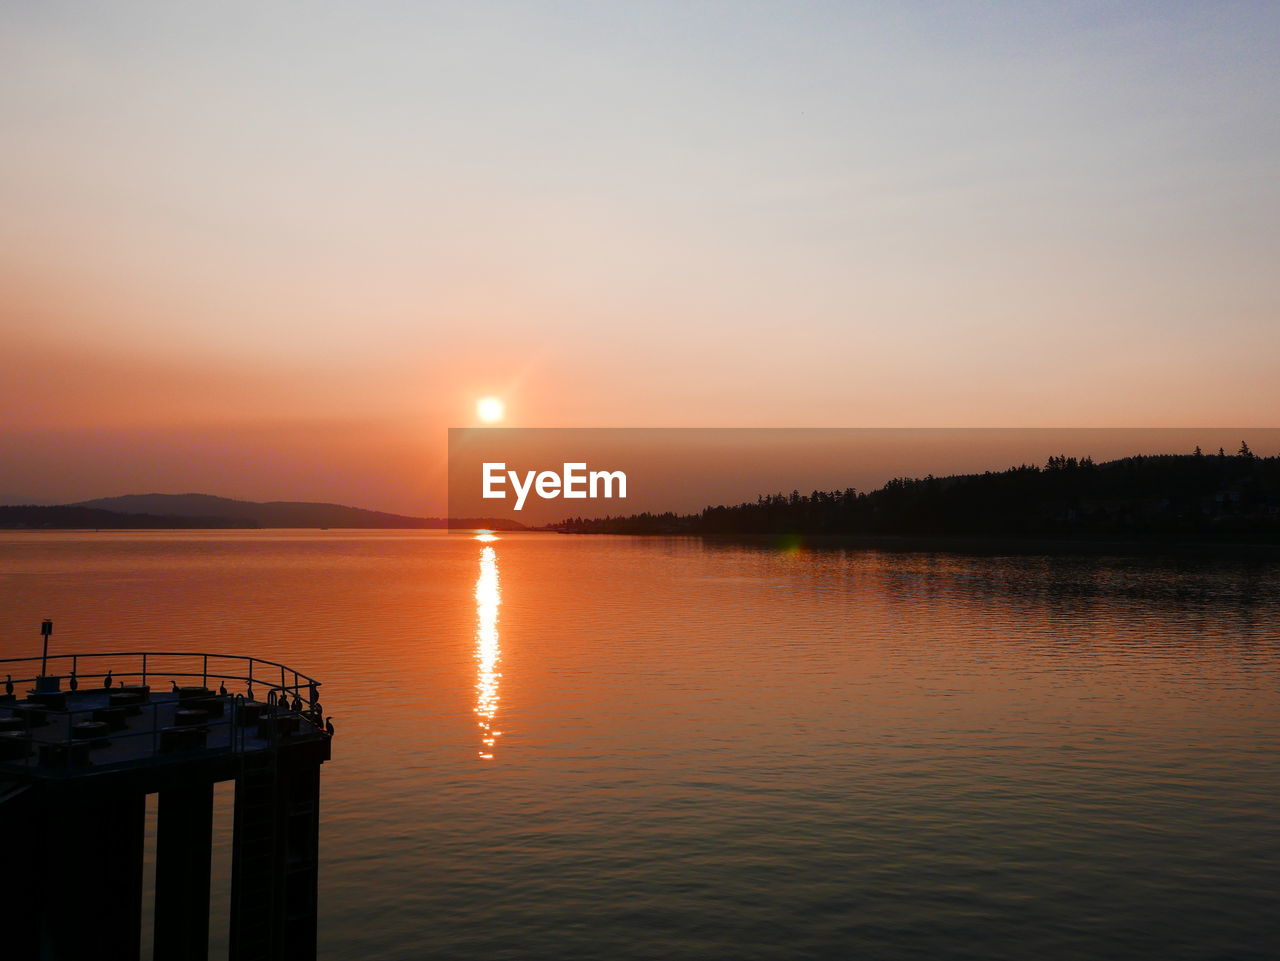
{"points": [[556, 747]]}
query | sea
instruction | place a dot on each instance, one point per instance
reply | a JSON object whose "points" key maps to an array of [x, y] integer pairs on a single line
{"points": [[626, 748]]}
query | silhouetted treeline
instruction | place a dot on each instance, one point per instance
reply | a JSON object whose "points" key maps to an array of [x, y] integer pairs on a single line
{"points": [[1216, 496]]}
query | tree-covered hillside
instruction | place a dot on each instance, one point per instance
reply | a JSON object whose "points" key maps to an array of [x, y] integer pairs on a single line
{"points": [[1214, 496]]}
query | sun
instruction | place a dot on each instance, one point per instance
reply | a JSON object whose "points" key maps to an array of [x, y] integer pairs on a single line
{"points": [[490, 409]]}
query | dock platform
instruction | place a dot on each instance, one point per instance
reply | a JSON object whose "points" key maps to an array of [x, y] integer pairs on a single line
{"points": [[82, 744]]}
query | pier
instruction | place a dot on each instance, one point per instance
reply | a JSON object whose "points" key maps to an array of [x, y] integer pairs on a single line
{"points": [[84, 738]]}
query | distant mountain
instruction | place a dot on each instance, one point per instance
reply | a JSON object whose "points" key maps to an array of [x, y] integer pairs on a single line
{"points": [[269, 514], [206, 510], [43, 517]]}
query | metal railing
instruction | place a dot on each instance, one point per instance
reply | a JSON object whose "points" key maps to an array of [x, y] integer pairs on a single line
{"points": [[53, 707]]}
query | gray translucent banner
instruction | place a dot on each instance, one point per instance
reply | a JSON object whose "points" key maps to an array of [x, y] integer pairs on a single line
{"points": [[540, 476]]}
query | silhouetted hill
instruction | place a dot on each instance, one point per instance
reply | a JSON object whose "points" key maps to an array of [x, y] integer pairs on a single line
{"points": [[40, 517], [206, 510], [268, 514], [1200, 497]]}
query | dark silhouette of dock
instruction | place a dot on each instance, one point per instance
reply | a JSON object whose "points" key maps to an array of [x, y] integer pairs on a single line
{"points": [[82, 744]]}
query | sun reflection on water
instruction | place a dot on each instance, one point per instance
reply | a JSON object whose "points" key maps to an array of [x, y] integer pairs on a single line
{"points": [[488, 598]]}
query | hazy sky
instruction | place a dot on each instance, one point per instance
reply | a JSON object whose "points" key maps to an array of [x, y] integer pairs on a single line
{"points": [[274, 250]]}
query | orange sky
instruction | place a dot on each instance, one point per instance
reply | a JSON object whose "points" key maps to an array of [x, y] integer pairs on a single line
{"points": [[276, 253]]}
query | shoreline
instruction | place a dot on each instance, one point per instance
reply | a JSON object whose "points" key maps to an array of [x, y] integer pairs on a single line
{"points": [[970, 544], [979, 545]]}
